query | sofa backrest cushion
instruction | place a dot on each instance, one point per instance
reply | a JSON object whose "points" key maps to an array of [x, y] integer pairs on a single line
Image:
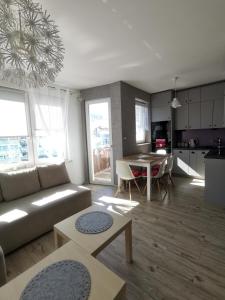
{"points": [[1, 197], [53, 175], [15, 185]]}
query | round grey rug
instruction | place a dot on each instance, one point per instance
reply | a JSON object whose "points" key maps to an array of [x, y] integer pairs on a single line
{"points": [[66, 279], [94, 222]]}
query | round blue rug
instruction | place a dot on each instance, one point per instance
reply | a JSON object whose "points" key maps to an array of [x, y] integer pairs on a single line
{"points": [[63, 280], [94, 222]]}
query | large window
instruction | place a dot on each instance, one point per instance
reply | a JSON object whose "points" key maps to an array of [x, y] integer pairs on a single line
{"points": [[31, 130], [142, 121]]}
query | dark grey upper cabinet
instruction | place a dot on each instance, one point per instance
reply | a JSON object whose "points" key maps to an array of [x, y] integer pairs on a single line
{"points": [[206, 108], [161, 106], [194, 115], [188, 115], [161, 99], [218, 114], [183, 96], [161, 113], [207, 114], [194, 95], [181, 117], [212, 91]]}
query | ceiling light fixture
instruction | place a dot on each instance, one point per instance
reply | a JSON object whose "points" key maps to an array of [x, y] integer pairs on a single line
{"points": [[31, 51], [175, 103]]}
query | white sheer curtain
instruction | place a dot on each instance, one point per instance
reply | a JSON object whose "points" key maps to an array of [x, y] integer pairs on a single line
{"points": [[49, 120]]}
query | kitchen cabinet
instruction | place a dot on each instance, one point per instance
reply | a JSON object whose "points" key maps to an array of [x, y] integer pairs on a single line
{"points": [[161, 113], [183, 96], [197, 163], [213, 114], [194, 95], [218, 114], [212, 91], [213, 95], [205, 107], [194, 112], [181, 117], [201, 162], [190, 162], [193, 164], [161, 106], [207, 114], [188, 116], [181, 162]]}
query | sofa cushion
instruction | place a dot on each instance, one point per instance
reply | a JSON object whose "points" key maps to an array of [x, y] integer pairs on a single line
{"points": [[1, 197], [53, 175], [31, 216], [15, 185]]}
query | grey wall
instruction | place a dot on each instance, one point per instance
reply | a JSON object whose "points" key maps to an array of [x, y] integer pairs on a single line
{"points": [[112, 91], [122, 97], [128, 96]]}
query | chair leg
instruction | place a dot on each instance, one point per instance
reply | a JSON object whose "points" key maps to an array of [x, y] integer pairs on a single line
{"points": [[129, 189], [166, 189], [170, 177], [137, 186], [117, 192], [158, 184], [145, 188]]}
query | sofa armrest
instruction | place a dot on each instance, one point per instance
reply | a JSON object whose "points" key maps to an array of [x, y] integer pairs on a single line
{"points": [[2, 268]]}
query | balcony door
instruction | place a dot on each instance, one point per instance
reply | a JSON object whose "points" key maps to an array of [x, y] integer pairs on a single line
{"points": [[99, 141]]}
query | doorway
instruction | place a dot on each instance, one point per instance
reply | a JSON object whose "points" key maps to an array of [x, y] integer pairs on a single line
{"points": [[99, 141]]}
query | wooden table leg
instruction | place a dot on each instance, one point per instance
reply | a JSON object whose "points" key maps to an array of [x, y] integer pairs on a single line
{"points": [[58, 239], [128, 241], [149, 182]]}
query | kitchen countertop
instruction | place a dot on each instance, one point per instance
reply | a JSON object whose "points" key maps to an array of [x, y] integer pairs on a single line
{"points": [[215, 154]]}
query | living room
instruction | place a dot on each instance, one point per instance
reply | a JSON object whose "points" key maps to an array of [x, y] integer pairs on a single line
{"points": [[112, 149]]}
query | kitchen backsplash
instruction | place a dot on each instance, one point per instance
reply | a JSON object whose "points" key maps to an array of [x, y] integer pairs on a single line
{"points": [[205, 137]]}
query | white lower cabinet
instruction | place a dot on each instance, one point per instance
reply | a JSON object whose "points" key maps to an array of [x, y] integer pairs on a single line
{"points": [[190, 162], [181, 162]]}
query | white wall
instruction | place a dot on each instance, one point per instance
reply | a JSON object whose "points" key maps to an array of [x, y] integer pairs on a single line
{"points": [[76, 166]]}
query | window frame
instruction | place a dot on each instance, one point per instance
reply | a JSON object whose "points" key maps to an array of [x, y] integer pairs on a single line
{"points": [[145, 104]]}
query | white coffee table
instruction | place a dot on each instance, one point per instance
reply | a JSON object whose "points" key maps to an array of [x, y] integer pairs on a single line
{"points": [[104, 283], [94, 243]]}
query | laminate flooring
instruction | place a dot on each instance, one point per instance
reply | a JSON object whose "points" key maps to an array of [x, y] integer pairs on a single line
{"points": [[178, 244]]}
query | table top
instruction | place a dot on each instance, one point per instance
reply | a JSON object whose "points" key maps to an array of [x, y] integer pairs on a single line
{"points": [[92, 243], [151, 158], [104, 283]]}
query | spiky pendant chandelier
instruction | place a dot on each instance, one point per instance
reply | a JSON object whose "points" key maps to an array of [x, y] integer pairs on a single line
{"points": [[31, 50]]}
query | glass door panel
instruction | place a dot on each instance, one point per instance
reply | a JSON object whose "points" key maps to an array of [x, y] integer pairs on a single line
{"points": [[98, 120]]}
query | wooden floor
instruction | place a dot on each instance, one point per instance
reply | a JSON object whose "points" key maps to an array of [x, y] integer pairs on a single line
{"points": [[179, 245]]}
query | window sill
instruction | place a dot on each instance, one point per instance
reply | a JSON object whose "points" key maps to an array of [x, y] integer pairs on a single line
{"points": [[142, 144]]}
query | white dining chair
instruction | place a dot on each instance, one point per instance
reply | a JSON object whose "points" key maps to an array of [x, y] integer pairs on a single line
{"points": [[169, 167], [125, 173], [158, 177]]}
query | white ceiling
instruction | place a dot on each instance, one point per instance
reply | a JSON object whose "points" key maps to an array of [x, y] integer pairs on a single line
{"points": [[143, 42]]}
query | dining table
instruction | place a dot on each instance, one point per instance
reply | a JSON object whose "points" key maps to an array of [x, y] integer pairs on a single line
{"points": [[147, 161]]}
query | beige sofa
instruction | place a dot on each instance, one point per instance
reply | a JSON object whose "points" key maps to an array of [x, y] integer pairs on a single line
{"points": [[32, 201], [2, 268]]}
